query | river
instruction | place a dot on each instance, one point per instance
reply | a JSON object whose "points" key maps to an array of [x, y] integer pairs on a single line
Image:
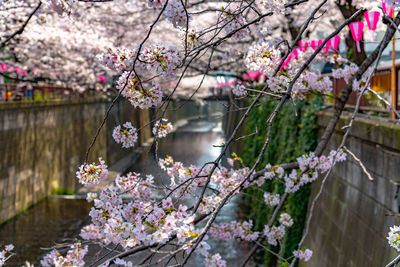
{"points": [[58, 219]]}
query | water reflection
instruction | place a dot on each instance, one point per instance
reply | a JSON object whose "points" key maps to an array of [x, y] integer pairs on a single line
{"points": [[51, 220]]}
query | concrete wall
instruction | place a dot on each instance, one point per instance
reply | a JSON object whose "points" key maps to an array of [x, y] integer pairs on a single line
{"points": [[349, 226], [43, 143]]}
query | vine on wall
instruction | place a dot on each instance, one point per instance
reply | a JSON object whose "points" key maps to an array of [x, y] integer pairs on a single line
{"points": [[291, 136]]}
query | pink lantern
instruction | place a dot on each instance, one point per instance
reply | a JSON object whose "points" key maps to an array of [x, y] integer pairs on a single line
{"points": [[336, 42], [102, 79], [327, 46], [388, 9], [3, 67], [17, 71], [10, 69], [295, 53], [320, 42], [356, 29], [253, 75], [24, 72], [313, 44], [303, 46], [287, 61], [372, 19]]}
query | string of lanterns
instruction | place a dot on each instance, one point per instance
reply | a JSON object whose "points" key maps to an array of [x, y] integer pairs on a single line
{"points": [[356, 29]]}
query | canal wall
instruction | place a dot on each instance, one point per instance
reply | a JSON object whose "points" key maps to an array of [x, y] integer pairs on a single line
{"points": [[349, 224], [43, 143]]}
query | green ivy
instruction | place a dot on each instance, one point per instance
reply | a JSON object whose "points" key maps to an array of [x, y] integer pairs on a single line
{"points": [[291, 137]]}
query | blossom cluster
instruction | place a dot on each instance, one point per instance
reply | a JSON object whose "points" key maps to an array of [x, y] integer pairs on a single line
{"points": [[309, 80], [117, 58], [74, 257], [345, 72], [141, 220], [214, 261], [305, 254], [92, 174], [138, 95], [394, 237], [3, 254], [161, 59], [176, 14], [162, 128], [276, 6], [224, 180], [271, 199], [192, 37], [125, 135], [61, 7], [239, 89], [274, 234], [233, 21], [358, 85], [263, 57], [311, 167], [234, 229]]}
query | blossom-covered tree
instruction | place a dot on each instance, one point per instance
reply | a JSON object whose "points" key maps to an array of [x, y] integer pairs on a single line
{"points": [[146, 45]]}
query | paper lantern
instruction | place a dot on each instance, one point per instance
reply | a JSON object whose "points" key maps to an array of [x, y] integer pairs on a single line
{"points": [[303, 46], [356, 29], [327, 46], [372, 18], [388, 9], [3, 67], [102, 79], [287, 61], [295, 53], [313, 44], [336, 42]]}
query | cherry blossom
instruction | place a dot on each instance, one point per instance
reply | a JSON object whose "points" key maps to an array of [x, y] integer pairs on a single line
{"points": [[214, 261], [276, 6], [239, 90], [139, 96], [125, 135], [271, 199], [162, 59], [92, 174], [234, 20], [305, 254], [74, 257], [263, 57], [3, 254], [394, 237], [285, 219], [176, 13], [162, 128], [117, 59]]}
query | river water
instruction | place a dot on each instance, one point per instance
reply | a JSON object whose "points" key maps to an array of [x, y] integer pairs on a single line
{"points": [[57, 219]]}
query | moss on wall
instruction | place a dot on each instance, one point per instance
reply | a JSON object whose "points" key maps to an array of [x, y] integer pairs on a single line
{"points": [[291, 136]]}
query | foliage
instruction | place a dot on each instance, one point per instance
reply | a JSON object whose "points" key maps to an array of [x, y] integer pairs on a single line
{"points": [[296, 136]]}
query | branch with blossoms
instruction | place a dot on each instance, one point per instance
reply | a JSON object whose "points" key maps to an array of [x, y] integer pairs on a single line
{"points": [[126, 215]]}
